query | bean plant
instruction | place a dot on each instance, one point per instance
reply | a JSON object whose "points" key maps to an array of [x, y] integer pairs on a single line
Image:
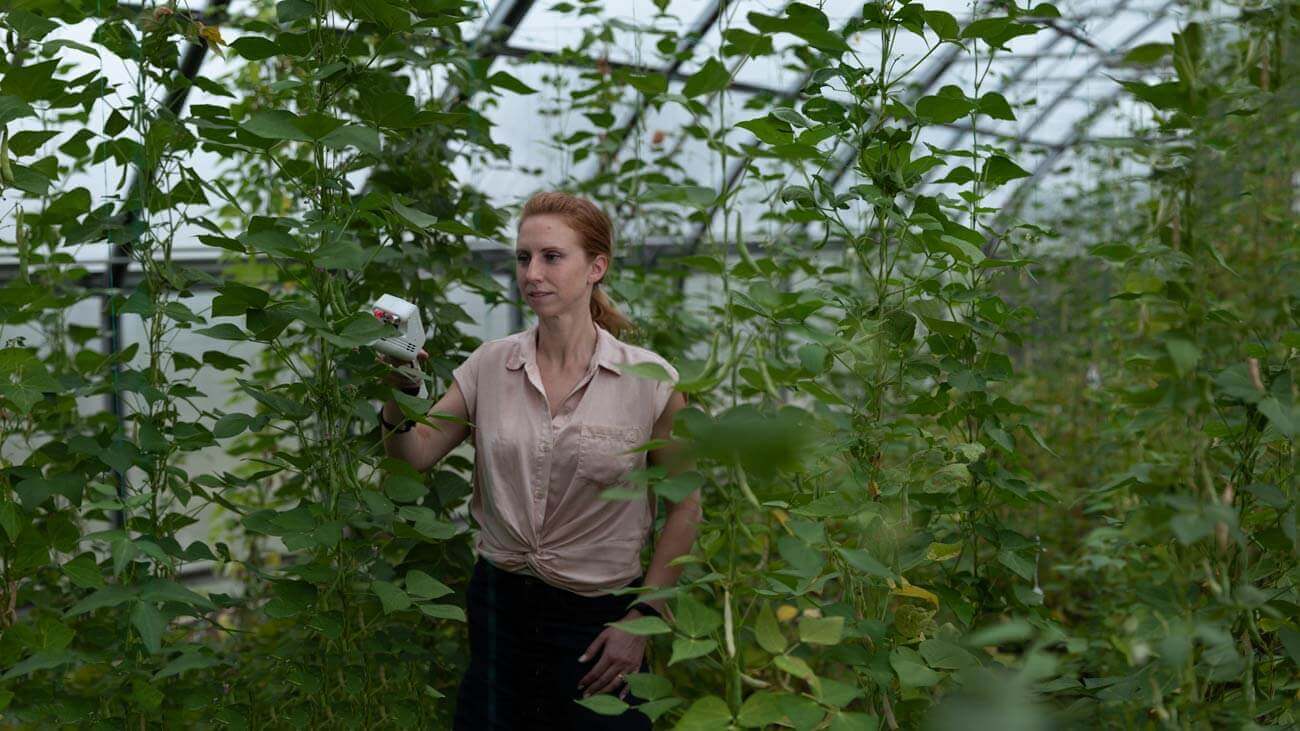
{"points": [[964, 463]]}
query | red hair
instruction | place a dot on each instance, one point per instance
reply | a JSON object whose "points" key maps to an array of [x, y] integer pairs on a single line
{"points": [[597, 234]]}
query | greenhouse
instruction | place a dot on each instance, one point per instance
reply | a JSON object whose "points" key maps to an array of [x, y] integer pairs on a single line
{"points": [[887, 365]]}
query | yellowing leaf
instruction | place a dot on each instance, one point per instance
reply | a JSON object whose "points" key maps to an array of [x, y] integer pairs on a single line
{"points": [[942, 551], [916, 592], [211, 34], [786, 612]]}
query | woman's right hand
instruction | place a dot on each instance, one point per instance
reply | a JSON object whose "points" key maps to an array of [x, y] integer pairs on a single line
{"points": [[395, 378]]}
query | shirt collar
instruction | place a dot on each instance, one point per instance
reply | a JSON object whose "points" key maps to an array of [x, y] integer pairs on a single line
{"points": [[525, 350]]}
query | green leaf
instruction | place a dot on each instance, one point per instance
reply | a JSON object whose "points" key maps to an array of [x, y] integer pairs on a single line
{"points": [[768, 631], [999, 169], [644, 626], [1023, 567], [443, 611], [363, 138], [943, 24], [694, 196], [1291, 641], [275, 241], [109, 596], [947, 656], [123, 550], [32, 82], [766, 131], [395, 17], [997, 31], [945, 107], [231, 425], [1183, 353], [236, 299], [393, 598], [761, 709], [29, 25], [1148, 54], [423, 586], [711, 77], [680, 486], [166, 590], [825, 40], [148, 622], [851, 721], [9, 520], [1015, 630], [189, 660], [652, 371], [709, 713], [287, 11], [695, 618], [1278, 415], [416, 218], [687, 648], [404, 489], [254, 48], [275, 124], [910, 668], [796, 667], [832, 505], [996, 106], [865, 562], [223, 331], [821, 630], [39, 661], [604, 704], [83, 572], [11, 108], [503, 80], [1169, 95]]}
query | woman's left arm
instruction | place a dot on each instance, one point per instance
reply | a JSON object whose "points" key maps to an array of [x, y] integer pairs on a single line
{"points": [[678, 534], [621, 652]]}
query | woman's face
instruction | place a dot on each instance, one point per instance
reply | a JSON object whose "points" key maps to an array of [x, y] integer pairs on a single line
{"points": [[552, 269]]}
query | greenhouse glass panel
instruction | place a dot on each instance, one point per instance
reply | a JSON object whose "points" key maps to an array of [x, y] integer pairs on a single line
{"points": [[623, 30], [945, 315]]}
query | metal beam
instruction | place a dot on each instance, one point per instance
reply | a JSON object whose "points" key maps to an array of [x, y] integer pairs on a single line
{"points": [[586, 62], [1022, 70], [492, 39], [738, 168], [1045, 166], [936, 72], [685, 47], [111, 318], [1069, 90]]}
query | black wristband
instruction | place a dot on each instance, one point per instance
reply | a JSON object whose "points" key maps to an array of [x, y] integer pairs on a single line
{"points": [[405, 427], [647, 610]]}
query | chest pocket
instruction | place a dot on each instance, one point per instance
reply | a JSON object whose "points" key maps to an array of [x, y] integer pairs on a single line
{"points": [[601, 458]]}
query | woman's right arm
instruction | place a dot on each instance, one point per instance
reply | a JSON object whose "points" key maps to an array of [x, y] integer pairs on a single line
{"points": [[423, 446]]}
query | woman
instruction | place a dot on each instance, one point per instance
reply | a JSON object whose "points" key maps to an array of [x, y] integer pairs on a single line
{"points": [[554, 422]]}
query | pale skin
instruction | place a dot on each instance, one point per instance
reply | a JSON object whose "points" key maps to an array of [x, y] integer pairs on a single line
{"points": [[557, 278]]}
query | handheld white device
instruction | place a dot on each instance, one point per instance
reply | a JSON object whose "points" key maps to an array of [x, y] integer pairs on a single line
{"points": [[407, 334]]}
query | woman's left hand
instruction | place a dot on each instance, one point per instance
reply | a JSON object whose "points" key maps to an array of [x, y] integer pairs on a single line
{"points": [[620, 653]]}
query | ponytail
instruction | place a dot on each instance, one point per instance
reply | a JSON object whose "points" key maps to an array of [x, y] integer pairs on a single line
{"points": [[606, 314]]}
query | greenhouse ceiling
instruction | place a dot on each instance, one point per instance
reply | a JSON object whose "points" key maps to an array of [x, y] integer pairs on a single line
{"points": [[1062, 83]]}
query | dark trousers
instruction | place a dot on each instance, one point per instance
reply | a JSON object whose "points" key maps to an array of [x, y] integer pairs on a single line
{"points": [[525, 637]]}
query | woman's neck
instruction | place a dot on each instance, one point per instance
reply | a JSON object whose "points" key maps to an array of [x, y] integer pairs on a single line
{"points": [[566, 342]]}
